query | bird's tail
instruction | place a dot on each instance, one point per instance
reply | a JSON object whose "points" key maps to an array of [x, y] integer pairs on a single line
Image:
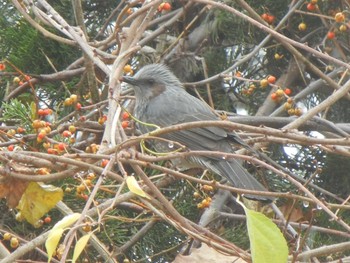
{"points": [[239, 177]]}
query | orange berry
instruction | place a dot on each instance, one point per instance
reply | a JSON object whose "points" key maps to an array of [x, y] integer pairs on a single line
{"points": [[41, 135], [127, 68], [274, 96], [264, 16], [61, 146], [125, 115], [47, 111], [68, 102], [271, 79], [207, 188], [66, 134], [41, 112], [78, 106], [47, 220], [129, 11], [51, 151], [43, 171], [270, 19], [125, 124], [339, 17], [87, 227], [167, 6], [160, 7], [104, 163], [2, 66], [20, 130]]}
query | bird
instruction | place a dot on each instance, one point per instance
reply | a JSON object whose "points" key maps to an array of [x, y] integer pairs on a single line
{"points": [[162, 101]]}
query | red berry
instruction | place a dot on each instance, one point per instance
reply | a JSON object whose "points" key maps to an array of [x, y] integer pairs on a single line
{"points": [[47, 220], [265, 16], [61, 146], [160, 7], [51, 151], [66, 134], [104, 163], [287, 91], [78, 106], [11, 147], [167, 6], [270, 19], [311, 7], [41, 135], [125, 116], [330, 35], [41, 112], [125, 124], [20, 130], [47, 111]]}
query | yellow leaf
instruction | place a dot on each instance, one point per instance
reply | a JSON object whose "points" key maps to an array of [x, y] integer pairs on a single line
{"points": [[37, 200], [66, 221], [80, 245], [52, 241], [34, 111], [134, 187]]}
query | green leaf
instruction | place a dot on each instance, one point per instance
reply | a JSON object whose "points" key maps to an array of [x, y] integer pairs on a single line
{"points": [[267, 243]]}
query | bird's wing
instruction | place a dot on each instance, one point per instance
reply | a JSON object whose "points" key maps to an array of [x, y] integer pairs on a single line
{"points": [[180, 107]]}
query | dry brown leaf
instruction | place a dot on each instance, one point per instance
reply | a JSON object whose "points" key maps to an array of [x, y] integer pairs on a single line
{"points": [[294, 215], [12, 189], [206, 254]]}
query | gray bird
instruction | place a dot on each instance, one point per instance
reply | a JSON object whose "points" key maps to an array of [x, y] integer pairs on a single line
{"points": [[162, 100]]}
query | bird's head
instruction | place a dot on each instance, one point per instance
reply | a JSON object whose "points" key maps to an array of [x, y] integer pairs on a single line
{"points": [[152, 80]]}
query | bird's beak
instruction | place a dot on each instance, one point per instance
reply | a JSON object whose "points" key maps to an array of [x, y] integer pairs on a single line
{"points": [[129, 80]]}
